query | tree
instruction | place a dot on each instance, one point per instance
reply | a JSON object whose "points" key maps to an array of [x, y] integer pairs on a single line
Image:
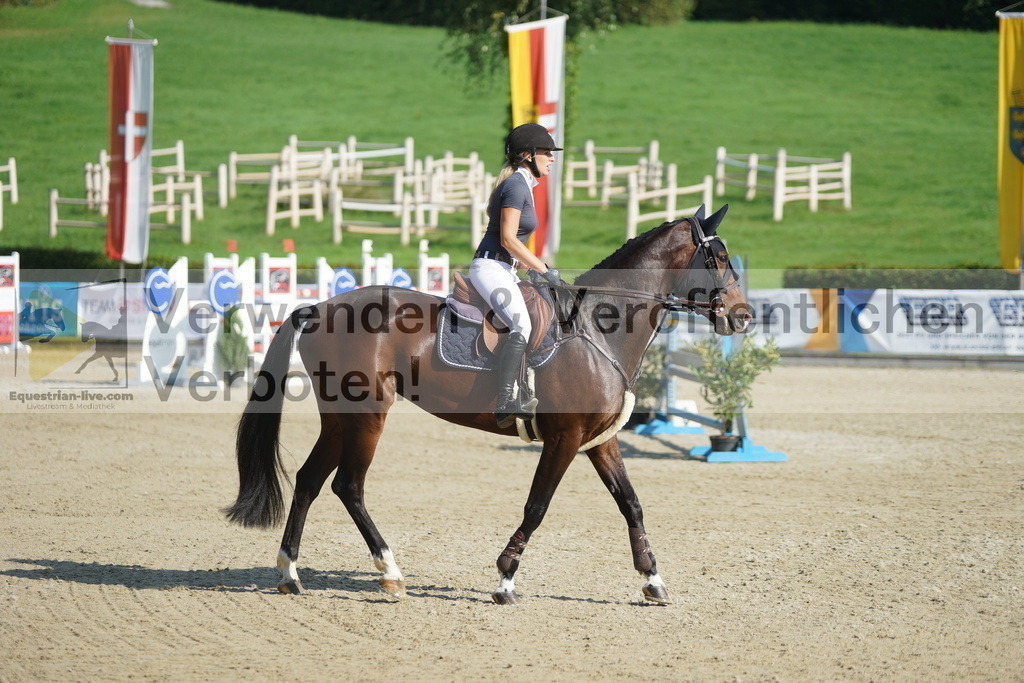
{"points": [[477, 41]]}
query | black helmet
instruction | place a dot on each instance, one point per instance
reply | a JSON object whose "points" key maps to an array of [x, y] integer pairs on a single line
{"points": [[529, 137]]}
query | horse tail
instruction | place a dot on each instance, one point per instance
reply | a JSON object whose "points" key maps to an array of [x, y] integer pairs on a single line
{"points": [[259, 503]]}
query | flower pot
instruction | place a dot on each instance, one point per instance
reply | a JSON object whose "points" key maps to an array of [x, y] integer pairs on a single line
{"points": [[724, 443]]}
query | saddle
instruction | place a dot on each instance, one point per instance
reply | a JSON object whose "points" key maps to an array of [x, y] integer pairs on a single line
{"points": [[494, 332]]}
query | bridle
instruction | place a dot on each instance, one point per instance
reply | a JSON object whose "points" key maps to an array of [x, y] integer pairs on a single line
{"points": [[670, 302]]}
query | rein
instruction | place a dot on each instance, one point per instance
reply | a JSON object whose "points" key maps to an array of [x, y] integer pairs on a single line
{"points": [[670, 303]]}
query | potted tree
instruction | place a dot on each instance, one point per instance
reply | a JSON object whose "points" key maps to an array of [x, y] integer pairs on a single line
{"points": [[232, 347], [727, 380]]}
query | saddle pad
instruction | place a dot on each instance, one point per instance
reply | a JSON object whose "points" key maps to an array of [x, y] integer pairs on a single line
{"points": [[457, 346]]}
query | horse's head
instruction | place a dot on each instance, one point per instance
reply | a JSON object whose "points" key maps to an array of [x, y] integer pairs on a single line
{"points": [[709, 278]]}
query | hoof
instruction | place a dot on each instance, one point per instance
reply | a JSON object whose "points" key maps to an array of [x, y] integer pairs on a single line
{"points": [[656, 594], [393, 587], [505, 597], [291, 588]]}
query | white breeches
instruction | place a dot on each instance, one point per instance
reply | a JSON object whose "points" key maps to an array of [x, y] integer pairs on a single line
{"points": [[497, 283]]}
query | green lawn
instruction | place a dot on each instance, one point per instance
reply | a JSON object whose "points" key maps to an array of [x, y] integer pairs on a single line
{"points": [[915, 107]]}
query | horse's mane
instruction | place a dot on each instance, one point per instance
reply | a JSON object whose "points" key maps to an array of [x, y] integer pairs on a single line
{"points": [[629, 255]]}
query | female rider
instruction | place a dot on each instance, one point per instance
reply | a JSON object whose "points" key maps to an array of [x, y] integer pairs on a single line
{"points": [[529, 154]]}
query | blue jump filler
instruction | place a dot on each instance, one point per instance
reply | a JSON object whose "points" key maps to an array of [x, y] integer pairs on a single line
{"points": [[747, 451]]}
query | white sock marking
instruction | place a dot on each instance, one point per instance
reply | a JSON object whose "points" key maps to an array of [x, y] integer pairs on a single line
{"points": [[655, 580], [506, 585], [386, 563], [286, 567]]}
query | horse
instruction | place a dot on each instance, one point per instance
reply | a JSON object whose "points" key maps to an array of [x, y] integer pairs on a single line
{"points": [[110, 342], [680, 265]]}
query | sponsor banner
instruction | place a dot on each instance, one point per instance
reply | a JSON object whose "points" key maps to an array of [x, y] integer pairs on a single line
{"points": [[798, 319], [789, 315], [10, 277], [1011, 138], [536, 59], [116, 306], [48, 310], [131, 141], [940, 322]]}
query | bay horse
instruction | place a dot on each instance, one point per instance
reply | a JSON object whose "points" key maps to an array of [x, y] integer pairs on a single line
{"points": [[681, 265]]}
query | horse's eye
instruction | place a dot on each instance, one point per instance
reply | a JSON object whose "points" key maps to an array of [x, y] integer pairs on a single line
{"points": [[723, 257]]}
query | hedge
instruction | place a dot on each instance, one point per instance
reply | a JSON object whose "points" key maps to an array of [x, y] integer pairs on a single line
{"points": [[975, 15], [964, 276]]}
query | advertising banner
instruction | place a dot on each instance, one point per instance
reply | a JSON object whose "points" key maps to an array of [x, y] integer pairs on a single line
{"points": [[927, 321], [116, 306], [789, 315]]}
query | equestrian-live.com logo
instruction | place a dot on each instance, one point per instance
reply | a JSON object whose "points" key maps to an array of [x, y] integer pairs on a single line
{"points": [[75, 333]]}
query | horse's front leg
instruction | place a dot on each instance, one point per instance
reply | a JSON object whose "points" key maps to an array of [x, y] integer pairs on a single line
{"points": [[558, 452], [608, 461]]}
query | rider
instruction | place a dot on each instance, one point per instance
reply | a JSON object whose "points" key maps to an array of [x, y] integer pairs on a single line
{"points": [[529, 154]]}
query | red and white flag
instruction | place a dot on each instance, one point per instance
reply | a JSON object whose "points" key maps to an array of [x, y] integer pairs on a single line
{"points": [[131, 141]]}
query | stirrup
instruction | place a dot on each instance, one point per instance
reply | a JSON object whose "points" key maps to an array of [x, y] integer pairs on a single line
{"points": [[506, 413]]}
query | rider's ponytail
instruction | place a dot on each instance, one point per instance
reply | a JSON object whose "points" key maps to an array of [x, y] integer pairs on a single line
{"points": [[506, 171]]}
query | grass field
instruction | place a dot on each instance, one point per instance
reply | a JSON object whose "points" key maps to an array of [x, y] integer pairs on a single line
{"points": [[915, 107]]}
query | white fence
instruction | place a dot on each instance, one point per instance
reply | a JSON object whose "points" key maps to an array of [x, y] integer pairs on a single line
{"points": [[789, 178], [97, 183], [10, 187], [287, 187], [605, 180], [175, 179], [358, 159], [672, 210], [250, 169], [303, 176], [183, 226], [403, 209]]}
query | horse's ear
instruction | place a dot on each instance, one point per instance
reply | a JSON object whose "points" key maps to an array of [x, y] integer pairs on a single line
{"points": [[711, 224], [700, 213]]}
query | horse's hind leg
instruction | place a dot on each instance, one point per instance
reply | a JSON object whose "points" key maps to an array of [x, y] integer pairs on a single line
{"points": [[361, 435], [110, 360], [608, 461], [308, 481]]}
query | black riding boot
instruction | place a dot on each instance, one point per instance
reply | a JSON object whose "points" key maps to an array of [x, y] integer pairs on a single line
{"points": [[509, 364]]}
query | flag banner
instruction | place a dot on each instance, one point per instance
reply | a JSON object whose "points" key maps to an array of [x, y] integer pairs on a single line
{"points": [[1011, 138], [131, 141], [536, 57]]}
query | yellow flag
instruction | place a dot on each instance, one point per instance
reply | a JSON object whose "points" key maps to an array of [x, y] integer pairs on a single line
{"points": [[1011, 138]]}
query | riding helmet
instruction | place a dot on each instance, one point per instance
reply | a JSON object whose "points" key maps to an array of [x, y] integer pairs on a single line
{"points": [[529, 137]]}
